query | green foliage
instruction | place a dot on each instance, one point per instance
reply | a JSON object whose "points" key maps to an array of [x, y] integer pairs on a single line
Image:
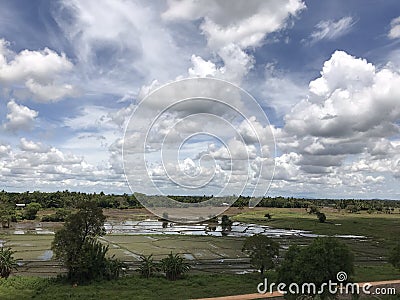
{"points": [[129, 287], [60, 215], [174, 266], [31, 210], [321, 217], [317, 263], [147, 266], [394, 256], [313, 210], [7, 215], [76, 246], [7, 262], [226, 223], [263, 251]]}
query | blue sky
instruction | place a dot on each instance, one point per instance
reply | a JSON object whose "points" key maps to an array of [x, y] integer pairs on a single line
{"points": [[326, 74]]}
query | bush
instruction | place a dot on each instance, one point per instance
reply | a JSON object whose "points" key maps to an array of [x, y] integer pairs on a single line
{"points": [[321, 217], [174, 266], [226, 223], [31, 210], [147, 266], [59, 216], [317, 263], [7, 262]]}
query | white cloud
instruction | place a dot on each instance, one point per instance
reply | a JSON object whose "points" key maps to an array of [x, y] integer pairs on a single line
{"points": [[240, 22], [394, 32], [19, 117], [120, 44], [38, 166], [331, 29], [352, 109], [31, 146], [39, 71]]}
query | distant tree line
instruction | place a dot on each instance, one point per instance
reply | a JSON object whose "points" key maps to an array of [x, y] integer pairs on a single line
{"points": [[68, 199]]}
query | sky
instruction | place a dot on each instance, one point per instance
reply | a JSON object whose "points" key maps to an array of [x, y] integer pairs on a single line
{"points": [[326, 74]]}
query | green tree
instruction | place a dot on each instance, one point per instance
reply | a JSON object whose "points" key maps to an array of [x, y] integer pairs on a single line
{"points": [[174, 266], [76, 246], [31, 210], [226, 223], [7, 262], [262, 250], [321, 217], [317, 263], [147, 266], [7, 214], [394, 256]]}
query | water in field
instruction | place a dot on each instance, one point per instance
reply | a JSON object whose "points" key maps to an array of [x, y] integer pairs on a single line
{"points": [[152, 226], [238, 229]]}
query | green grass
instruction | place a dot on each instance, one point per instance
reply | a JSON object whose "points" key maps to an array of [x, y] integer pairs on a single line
{"points": [[132, 287], [364, 273], [378, 226]]}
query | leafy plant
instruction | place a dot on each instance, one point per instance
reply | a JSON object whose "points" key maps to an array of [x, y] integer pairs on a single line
{"points": [[262, 250], [147, 266], [321, 217], [226, 223], [174, 266], [7, 262], [318, 263], [31, 210], [76, 246]]}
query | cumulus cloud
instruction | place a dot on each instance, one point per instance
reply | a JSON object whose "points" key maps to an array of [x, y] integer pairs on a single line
{"points": [[39, 71], [19, 117], [394, 32], [352, 108], [331, 29], [230, 28], [31, 146], [38, 166]]}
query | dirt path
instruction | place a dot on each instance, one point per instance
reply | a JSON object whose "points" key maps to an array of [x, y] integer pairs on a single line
{"points": [[277, 294]]}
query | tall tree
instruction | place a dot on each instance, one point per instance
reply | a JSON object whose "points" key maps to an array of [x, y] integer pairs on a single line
{"points": [[262, 250], [76, 245]]}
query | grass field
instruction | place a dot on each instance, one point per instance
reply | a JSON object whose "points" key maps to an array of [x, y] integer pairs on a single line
{"points": [[131, 287], [380, 230], [384, 227]]}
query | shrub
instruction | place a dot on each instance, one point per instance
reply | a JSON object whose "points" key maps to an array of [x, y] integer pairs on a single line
{"points": [[31, 210], [147, 266], [321, 217], [174, 266], [7, 262], [317, 263], [226, 223]]}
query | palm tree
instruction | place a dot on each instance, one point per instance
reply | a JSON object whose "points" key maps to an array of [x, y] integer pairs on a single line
{"points": [[7, 262], [174, 266], [147, 266]]}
